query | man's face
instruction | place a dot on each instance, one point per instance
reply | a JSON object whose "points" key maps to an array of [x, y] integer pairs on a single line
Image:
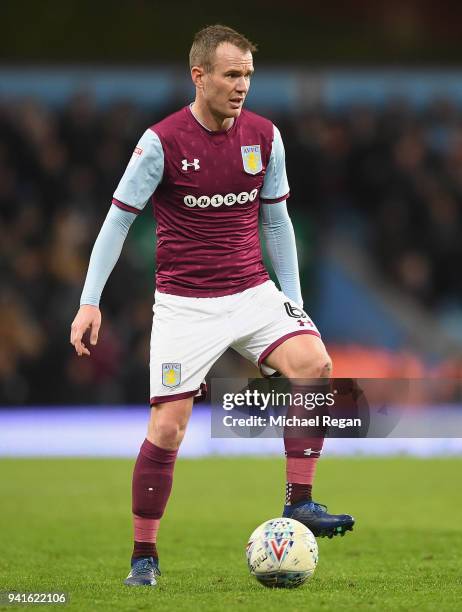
{"points": [[226, 86]]}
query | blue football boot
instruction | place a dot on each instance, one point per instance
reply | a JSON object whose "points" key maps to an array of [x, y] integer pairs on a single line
{"points": [[143, 573], [316, 518]]}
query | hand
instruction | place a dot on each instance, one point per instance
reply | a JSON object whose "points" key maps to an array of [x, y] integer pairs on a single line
{"points": [[87, 317]]}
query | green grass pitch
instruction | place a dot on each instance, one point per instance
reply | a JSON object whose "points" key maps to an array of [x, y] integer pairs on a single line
{"points": [[65, 526]]}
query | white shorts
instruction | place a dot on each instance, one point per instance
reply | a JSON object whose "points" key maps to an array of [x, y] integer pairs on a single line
{"points": [[190, 334]]}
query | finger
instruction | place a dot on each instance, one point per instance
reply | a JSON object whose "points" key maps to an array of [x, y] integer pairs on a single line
{"points": [[81, 349], [78, 347], [76, 334], [94, 333]]}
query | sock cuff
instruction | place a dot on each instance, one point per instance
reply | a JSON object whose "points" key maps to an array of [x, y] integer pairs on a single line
{"points": [[155, 453], [144, 549]]}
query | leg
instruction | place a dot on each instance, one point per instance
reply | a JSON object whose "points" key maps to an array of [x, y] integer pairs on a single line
{"points": [[305, 358], [276, 333], [180, 327], [168, 422], [153, 477], [301, 357]]}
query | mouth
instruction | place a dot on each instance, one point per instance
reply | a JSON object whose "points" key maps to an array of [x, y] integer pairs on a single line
{"points": [[236, 102]]}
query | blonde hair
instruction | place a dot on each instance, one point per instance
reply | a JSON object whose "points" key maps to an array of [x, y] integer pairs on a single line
{"points": [[207, 40]]}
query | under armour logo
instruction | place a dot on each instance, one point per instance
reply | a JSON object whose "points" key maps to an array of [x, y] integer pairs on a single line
{"points": [[303, 323], [308, 452], [185, 164]]}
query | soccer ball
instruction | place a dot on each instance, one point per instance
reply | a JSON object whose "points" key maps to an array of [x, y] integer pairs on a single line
{"points": [[282, 553]]}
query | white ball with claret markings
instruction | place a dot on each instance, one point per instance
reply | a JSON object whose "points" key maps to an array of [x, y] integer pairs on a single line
{"points": [[282, 553]]}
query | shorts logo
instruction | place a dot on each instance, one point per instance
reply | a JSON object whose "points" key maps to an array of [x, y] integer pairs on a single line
{"points": [[218, 200], [251, 158], [294, 312], [171, 374], [299, 314]]}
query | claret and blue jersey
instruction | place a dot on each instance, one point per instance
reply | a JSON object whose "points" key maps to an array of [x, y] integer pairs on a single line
{"points": [[206, 190]]}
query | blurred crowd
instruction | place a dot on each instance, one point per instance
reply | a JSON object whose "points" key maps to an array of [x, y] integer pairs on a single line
{"points": [[391, 178]]}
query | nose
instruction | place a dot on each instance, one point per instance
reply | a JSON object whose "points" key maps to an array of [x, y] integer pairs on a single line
{"points": [[242, 85]]}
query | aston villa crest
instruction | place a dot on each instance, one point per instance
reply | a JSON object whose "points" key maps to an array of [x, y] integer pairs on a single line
{"points": [[171, 374], [251, 158]]}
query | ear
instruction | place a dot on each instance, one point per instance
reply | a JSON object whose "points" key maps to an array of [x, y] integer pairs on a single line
{"points": [[197, 76]]}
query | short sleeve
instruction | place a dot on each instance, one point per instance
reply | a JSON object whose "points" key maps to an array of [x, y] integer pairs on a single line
{"points": [[275, 186], [142, 175]]}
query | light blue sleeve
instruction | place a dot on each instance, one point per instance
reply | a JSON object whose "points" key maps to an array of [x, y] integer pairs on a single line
{"points": [[275, 185], [105, 254], [282, 250], [143, 173]]}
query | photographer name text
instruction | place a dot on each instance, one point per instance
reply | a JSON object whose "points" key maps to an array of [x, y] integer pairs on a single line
{"points": [[293, 421]]}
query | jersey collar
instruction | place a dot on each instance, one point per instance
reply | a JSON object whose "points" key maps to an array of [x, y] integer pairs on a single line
{"points": [[210, 132]]}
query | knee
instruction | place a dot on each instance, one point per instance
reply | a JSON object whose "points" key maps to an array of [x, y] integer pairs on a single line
{"points": [[314, 365], [168, 434], [325, 366]]}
